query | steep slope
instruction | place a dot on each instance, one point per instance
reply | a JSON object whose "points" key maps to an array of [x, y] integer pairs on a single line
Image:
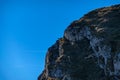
{"points": [[89, 49]]}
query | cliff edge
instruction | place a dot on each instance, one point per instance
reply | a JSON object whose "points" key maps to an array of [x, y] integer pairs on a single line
{"points": [[89, 49]]}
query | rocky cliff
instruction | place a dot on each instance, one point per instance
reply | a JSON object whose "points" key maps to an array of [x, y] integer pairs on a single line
{"points": [[89, 49]]}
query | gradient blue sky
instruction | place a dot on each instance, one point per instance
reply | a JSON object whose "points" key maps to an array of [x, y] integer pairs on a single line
{"points": [[29, 27]]}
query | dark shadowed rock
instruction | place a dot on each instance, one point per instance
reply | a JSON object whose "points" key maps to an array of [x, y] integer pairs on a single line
{"points": [[89, 50]]}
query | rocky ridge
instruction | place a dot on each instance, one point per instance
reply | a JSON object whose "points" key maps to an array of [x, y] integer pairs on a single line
{"points": [[89, 49]]}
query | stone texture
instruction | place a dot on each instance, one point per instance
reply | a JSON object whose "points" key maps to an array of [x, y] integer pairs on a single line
{"points": [[89, 50]]}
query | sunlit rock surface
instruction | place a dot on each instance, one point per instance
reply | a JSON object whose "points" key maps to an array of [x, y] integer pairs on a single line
{"points": [[89, 49]]}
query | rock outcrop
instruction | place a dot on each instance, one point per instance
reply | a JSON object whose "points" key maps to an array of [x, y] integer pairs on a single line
{"points": [[89, 49]]}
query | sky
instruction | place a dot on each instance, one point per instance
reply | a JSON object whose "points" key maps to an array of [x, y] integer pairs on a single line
{"points": [[29, 27]]}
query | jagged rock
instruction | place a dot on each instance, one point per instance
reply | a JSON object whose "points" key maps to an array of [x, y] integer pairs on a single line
{"points": [[89, 50]]}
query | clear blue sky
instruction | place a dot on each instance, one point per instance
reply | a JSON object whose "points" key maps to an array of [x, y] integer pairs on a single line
{"points": [[29, 27]]}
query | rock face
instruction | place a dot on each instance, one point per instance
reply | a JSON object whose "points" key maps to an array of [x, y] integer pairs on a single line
{"points": [[89, 49]]}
